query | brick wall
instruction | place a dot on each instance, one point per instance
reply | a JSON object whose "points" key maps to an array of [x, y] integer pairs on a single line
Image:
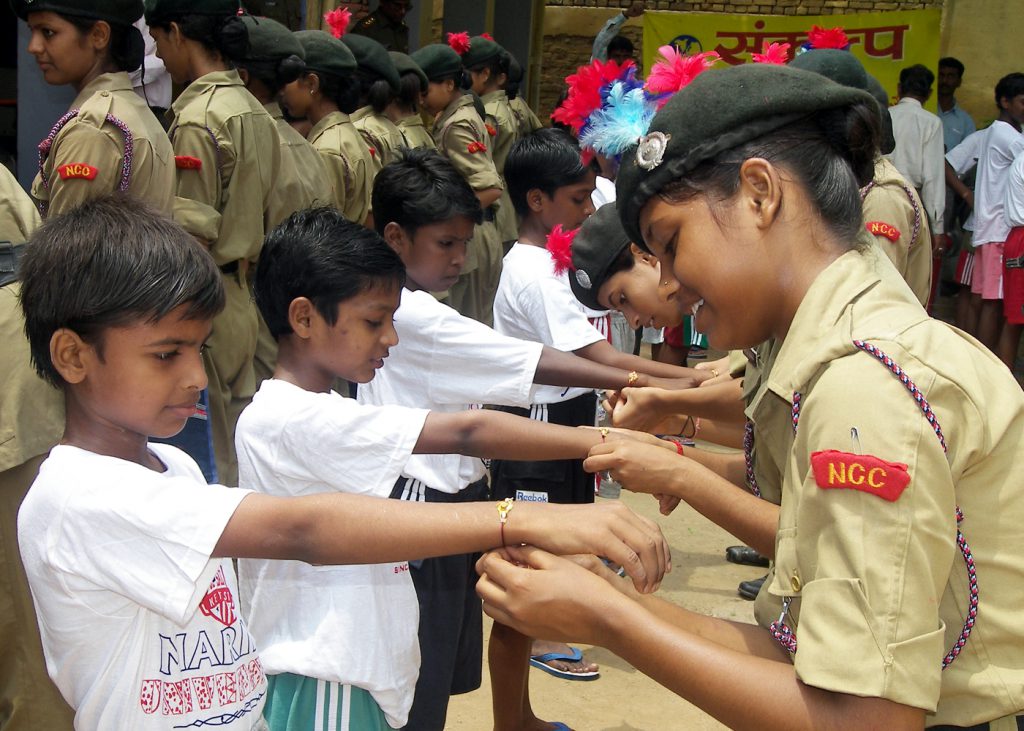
{"points": [[570, 27]]}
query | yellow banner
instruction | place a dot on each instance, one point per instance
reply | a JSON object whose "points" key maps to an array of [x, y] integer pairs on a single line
{"points": [[884, 42]]}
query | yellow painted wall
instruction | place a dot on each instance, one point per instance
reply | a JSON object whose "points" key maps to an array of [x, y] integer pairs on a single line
{"points": [[987, 36]]}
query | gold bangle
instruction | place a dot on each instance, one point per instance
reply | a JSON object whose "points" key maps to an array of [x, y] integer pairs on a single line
{"points": [[504, 508], [632, 378]]}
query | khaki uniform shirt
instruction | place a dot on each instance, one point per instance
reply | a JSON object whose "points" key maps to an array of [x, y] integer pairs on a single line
{"points": [[303, 181], [87, 155], [380, 134], [31, 411], [461, 136], [228, 154], [528, 121], [414, 132], [506, 126], [878, 587], [348, 164], [376, 25], [889, 216]]}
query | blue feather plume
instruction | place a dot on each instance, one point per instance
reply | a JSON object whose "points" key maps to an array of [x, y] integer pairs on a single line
{"points": [[624, 117]]}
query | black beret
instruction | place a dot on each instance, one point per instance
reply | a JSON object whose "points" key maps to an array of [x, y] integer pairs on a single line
{"points": [[270, 41], [373, 58], [720, 109], [405, 65], [325, 53], [599, 242], [159, 10], [121, 12], [438, 61], [481, 50]]}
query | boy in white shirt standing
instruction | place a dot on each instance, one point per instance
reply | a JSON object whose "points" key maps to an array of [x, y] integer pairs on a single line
{"points": [[124, 544]]}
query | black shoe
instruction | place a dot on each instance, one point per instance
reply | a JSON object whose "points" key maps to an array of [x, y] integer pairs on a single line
{"points": [[745, 555], [749, 589]]}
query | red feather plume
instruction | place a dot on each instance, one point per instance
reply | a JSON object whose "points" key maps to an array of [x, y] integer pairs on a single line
{"points": [[459, 42], [774, 53], [338, 19], [585, 91], [675, 70], [820, 38], [559, 245], [487, 35]]}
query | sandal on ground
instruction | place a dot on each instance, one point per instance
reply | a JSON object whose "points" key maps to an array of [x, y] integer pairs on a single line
{"points": [[541, 662]]}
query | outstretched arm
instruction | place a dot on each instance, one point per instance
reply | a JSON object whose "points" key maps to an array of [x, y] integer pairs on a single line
{"points": [[696, 657]]}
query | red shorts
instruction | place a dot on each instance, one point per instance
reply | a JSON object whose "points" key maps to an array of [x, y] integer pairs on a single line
{"points": [[987, 279], [1013, 277], [965, 266]]}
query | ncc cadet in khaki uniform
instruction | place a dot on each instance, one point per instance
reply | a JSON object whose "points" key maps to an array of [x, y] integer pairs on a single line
{"points": [[487, 64], [320, 94], [386, 25], [109, 139], [894, 218], [228, 154], [405, 109], [31, 422], [274, 59], [461, 136], [378, 81], [898, 577], [528, 121]]}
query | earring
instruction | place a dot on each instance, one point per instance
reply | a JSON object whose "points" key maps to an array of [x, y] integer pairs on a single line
{"points": [[311, 92]]}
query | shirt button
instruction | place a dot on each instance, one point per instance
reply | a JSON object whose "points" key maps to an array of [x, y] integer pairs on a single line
{"points": [[104, 93], [794, 581]]}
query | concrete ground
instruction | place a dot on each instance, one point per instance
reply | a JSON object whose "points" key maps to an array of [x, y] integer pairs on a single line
{"points": [[623, 699]]}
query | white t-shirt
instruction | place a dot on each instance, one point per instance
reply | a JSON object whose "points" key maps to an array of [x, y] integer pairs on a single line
{"points": [[445, 362], [1002, 146], [604, 191], [534, 303], [964, 157], [355, 625], [140, 627], [1014, 202]]}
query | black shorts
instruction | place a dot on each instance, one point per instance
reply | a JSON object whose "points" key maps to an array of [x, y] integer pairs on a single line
{"points": [[451, 619], [560, 481]]}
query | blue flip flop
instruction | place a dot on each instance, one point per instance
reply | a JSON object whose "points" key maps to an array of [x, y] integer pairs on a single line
{"points": [[541, 663], [559, 726]]}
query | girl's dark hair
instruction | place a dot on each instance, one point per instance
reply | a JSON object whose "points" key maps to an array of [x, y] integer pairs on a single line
{"points": [[515, 78], [498, 65], [409, 90], [547, 159], [226, 35], [127, 46], [374, 91], [275, 73], [319, 254], [422, 187], [111, 262], [342, 90], [831, 153]]}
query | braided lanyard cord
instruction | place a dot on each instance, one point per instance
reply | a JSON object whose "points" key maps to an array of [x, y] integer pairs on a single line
{"points": [[126, 162], [783, 634], [748, 457]]}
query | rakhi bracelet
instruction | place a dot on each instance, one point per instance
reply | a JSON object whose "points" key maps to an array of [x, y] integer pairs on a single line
{"points": [[682, 431], [504, 508], [604, 432], [632, 378]]}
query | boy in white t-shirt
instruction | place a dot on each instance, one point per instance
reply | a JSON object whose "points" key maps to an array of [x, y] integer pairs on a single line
{"points": [[124, 544], [446, 362], [327, 289]]}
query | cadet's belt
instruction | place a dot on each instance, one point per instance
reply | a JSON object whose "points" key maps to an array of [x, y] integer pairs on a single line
{"points": [[231, 267], [10, 258], [1016, 262]]}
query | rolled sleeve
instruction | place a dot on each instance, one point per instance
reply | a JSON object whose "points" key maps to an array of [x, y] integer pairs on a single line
{"points": [[476, 167]]}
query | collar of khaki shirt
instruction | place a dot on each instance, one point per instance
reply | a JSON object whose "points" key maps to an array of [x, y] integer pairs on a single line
{"points": [[117, 81], [463, 101], [203, 85], [331, 120]]}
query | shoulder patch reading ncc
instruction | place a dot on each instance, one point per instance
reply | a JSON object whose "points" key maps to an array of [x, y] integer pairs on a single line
{"points": [[842, 470], [491, 130], [77, 170], [881, 228], [474, 147], [187, 162]]}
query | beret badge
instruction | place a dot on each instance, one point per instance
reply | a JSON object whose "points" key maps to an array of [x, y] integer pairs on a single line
{"points": [[583, 279], [651, 150]]}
